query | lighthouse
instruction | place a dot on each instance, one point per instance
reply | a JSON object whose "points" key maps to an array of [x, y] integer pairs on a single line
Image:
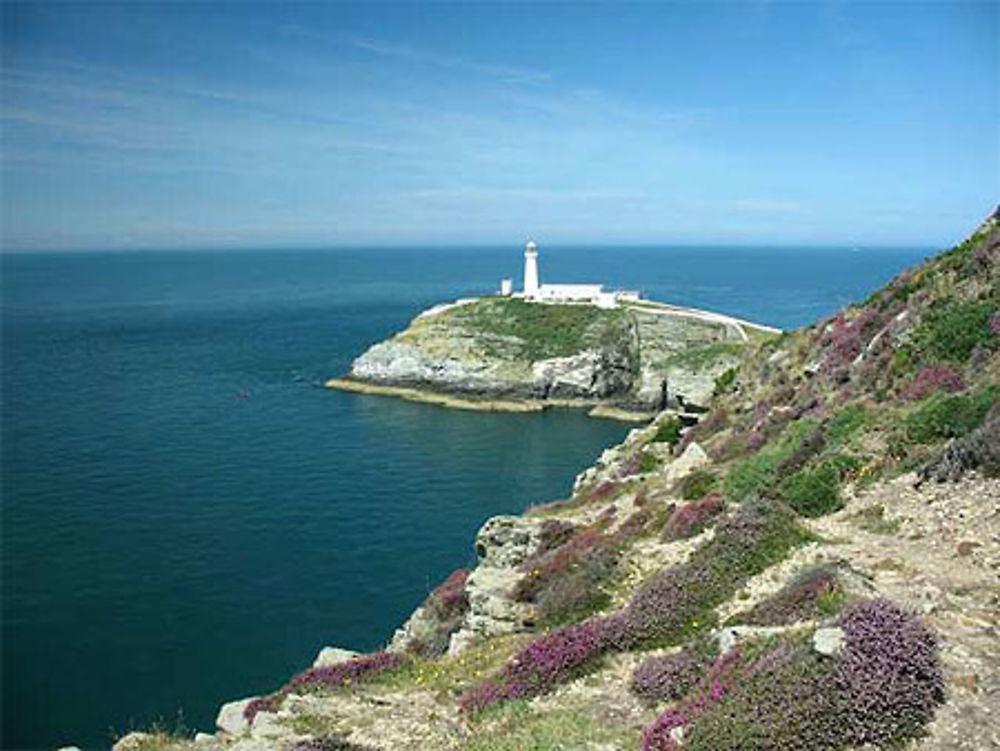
{"points": [[530, 270]]}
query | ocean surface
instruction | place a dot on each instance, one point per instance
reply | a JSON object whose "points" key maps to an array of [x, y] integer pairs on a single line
{"points": [[188, 516]]}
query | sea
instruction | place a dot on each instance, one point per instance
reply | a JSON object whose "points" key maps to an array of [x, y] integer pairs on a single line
{"points": [[188, 516]]}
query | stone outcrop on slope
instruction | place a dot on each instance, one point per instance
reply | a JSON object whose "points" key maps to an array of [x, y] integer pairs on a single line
{"points": [[642, 357]]}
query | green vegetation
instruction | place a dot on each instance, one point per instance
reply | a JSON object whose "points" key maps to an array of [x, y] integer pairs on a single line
{"points": [[669, 431], [697, 485], [846, 422], [700, 358], [543, 331], [952, 331], [649, 463], [814, 492], [517, 726], [949, 416], [759, 473], [725, 382]]}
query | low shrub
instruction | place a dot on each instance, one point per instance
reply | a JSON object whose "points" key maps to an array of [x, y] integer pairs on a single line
{"points": [[882, 689], [930, 379], [668, 678], [811, 593], [845, 423], [889, 674], [950, 332], [332, 677], [679, 600], [759, 474], [669, 431], [813, 492], [949, 416], [543, 664], [697, 485], [692, 518], [979, 450], [725, 382]]}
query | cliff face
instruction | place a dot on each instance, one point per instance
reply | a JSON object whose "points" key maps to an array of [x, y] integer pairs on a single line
{"points": [[812, 566], [641, 356]]}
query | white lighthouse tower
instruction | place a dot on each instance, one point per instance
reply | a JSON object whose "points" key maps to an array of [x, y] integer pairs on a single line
{"points": [[530, 270]]}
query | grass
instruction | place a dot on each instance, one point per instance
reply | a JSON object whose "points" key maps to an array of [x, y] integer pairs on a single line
{"points": [[543, 331], [703, 357], [953, 330], [517, 726], [449, 676], [847, 421]]}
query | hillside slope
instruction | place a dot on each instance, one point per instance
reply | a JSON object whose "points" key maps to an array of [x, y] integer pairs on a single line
{"points": [[812, 566]]}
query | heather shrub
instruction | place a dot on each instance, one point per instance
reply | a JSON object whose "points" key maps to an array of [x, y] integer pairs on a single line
{"points": [[888, 673], [332, 677], [546, 662], [811, 593], [669, 431], [949, 416], [668, 678], [678, 601], [789, 703], [553, 534], [692, 518], [930, 379], [882, 689], [697, 485]]}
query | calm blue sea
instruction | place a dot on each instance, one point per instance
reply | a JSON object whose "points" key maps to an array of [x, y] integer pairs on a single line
{"points": [[188, 516]]}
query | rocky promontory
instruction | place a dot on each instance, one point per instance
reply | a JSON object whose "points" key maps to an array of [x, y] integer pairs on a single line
{"points": [[509, 353], [813, 565]]}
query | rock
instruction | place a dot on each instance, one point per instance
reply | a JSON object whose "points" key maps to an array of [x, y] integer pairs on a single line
{"points": [[267, 725], [204, 739], [505, 541], [332, 655], [828, 641], [134, 741], [966, 547], [231, 719], [68, 748], [694, 457]]}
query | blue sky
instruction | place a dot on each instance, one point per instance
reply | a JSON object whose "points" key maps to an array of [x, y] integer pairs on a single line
{"points": [[183, 125]]}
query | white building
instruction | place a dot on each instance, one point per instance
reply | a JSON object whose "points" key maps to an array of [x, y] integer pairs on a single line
{"points": [[594, 294]]}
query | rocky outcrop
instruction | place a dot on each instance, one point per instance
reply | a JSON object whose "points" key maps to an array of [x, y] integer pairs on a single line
{"points": [[502, 544], [640, 358]]}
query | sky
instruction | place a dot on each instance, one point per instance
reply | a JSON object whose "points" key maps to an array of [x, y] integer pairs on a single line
{"points": [[139, 125]]}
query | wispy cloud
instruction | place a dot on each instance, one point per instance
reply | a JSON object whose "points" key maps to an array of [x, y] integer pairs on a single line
{"points": [[413, 55]]}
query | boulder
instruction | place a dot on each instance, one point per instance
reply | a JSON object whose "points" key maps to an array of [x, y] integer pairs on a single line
{"points": [[694, 457], [231, 719], [828, 641], [332, 655], [133, 741]]}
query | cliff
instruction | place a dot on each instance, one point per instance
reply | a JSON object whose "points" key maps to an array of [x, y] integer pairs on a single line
{"points": [[506, 353], [813, 565]]}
